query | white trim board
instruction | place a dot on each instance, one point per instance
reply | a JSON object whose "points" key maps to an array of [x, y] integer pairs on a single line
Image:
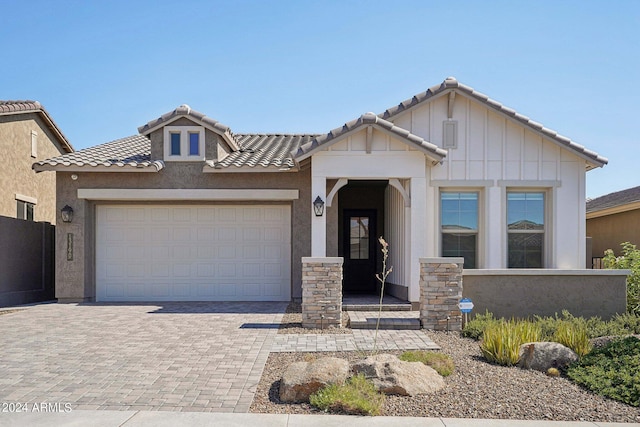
{"points": [[182, 194]]}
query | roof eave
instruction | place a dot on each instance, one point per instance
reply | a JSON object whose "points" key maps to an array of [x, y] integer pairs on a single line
{"points": [[66, 145], [210, 168], [154, 167], [611, 210]]}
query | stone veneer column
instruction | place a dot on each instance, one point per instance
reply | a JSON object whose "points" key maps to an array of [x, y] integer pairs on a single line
{"points": [[440, 292], [321, 292]]}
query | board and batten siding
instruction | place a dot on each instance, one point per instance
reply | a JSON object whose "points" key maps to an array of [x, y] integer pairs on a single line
{"points": [[395, 213], [493, 154]]}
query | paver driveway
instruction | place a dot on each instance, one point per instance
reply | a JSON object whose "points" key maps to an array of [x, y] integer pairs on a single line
{"points": [[169, 356]]}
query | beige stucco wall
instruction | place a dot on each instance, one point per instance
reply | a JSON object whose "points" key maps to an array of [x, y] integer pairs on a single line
{"points": [[608, 232], [16, 175], [75, 280]]}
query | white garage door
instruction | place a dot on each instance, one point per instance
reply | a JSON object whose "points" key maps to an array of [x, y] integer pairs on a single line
{"points": [[193, 253]]}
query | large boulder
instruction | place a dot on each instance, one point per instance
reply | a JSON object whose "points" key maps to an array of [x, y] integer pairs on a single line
{"points": [[544, 355], [391, 375], [301, 379]]}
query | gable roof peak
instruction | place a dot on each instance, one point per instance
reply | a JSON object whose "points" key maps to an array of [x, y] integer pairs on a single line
{"points": [[185, 110], [452, 84], [29, 106], [367, 119]]}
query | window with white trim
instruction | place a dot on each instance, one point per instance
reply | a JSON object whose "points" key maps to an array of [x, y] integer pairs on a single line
{"points": [[459, 226], [184, 143], [525, 229]]}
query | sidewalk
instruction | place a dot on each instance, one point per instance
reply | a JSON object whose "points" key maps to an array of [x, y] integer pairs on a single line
{"points": [[177, 419]]}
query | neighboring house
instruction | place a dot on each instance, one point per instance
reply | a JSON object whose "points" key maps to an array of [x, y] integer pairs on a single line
{"points": [[188, 210], [613, 219], [28, 134]]}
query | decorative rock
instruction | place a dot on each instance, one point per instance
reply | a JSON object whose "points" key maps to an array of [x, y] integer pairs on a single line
{"points": [[541, 356], [391, 375], [301, 379]]}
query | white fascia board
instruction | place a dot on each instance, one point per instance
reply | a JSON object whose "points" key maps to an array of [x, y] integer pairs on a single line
{"points": [[187, 194], [614, 210]]}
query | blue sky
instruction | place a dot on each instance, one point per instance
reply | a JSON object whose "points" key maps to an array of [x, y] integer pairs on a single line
{"points": [[103, 68]]}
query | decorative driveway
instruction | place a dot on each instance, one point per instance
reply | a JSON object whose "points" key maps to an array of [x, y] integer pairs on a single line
{"points": [[168, 356]]}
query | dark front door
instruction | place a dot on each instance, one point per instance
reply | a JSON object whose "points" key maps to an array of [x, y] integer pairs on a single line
{"points": [[359, 251]]}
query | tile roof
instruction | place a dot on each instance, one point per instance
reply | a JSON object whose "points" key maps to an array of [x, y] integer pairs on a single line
{"points": [[612, 200], [185, 111], [133, 152], [450, 83], [19, 106], [367, 119], [264, 150], [26, 106]]}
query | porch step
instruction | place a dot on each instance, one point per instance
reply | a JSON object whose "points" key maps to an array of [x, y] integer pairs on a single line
{"points": [[388, 319], [375, 307]]}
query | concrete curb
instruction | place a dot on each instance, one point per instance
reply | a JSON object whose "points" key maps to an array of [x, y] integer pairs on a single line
{"points": [[173, 419]]}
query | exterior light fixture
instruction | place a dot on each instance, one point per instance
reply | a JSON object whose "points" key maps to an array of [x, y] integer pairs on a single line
{"points": [[67, 213], [318, 206]]}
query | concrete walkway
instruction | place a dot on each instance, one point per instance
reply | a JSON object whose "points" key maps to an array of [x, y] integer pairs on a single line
{"points": [[177, 419]]}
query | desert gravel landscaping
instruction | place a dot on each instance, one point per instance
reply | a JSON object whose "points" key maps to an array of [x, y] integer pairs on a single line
{"points": [[476, 389]]}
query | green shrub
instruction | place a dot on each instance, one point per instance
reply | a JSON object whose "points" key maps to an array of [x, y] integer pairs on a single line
{"points": [[612, 371], [624, 324], [621, 324], [501, 341], [475, 327], [442, 363], [573, 335], [629, 260], [357, 396]]}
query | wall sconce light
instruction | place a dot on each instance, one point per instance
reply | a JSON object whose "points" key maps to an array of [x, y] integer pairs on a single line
{"points": [[318, 206], [67, 213]]}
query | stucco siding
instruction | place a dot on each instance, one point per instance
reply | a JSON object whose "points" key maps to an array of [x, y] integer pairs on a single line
{"points": [[608, 232], [75, 280], [16, 175]]}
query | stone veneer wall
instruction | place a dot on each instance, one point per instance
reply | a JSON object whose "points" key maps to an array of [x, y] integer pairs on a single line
{"points": [[321, 292], [440, 292]]}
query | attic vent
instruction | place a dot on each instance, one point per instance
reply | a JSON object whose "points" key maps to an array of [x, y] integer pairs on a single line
{"points": [[450, 134]]}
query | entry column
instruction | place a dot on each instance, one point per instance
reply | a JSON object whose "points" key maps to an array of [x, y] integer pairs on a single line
{"points": [[321, 292]]}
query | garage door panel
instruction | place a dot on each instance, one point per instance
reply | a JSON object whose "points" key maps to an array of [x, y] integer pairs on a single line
{"points": [[160, 270], [135, 271], [188, 253], [228, 289], [227, 214], [252, 289], [227, 270], [226, 234], [251, 215], [115, 290], [227, 252]]}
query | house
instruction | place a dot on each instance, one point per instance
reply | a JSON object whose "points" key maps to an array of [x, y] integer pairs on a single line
{"points": [[28, 134], [188, 210], [613, 219]]}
